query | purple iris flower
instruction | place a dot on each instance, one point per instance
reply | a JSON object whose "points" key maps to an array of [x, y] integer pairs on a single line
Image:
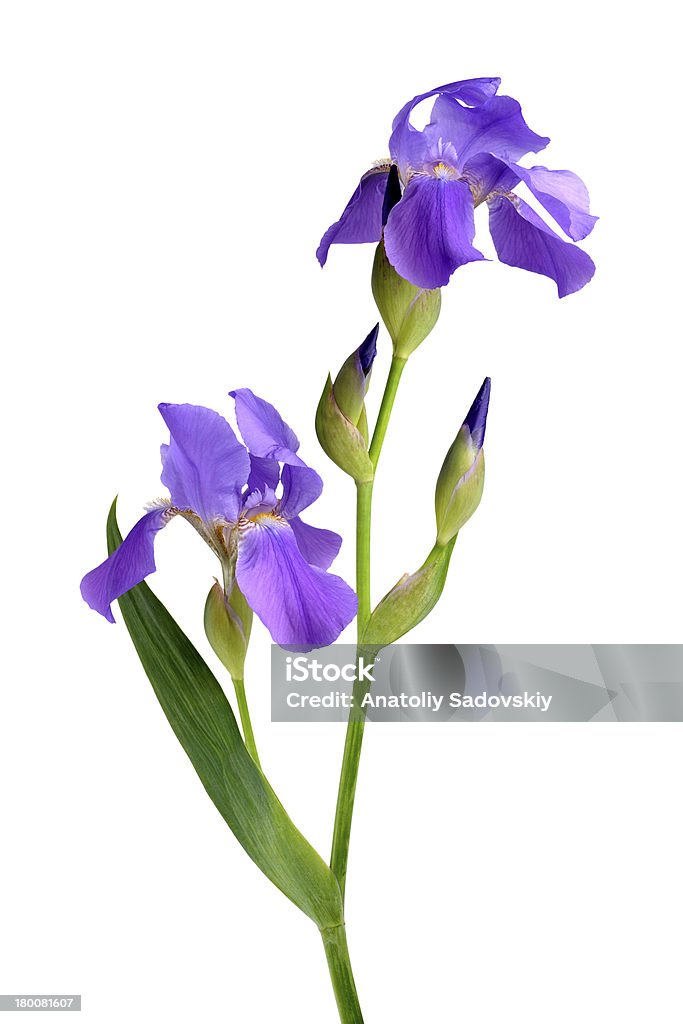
{"points": [[465, 156], [245, 503]]}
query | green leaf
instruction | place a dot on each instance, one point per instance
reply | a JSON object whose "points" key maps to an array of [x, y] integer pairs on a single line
{"points": [[201, 717]]}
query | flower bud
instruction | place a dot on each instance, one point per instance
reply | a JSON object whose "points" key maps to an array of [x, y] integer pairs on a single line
{"points": [[341, 422], [410, 600], [461, 480], [408, 312], [227, 623]]}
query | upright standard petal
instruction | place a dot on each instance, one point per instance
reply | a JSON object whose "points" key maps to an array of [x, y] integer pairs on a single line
{"points": [[429, 233], [523, 240], [301, 486], [264, 431], [563, 195], [361, 220], [263, 475], [132, 561], [204, 466], [497, 127], [408, 143], [319, 547], [301, 605]]}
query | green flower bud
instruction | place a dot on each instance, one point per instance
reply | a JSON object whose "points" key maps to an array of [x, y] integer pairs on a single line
{"points": [[227, 623], [461, 480], [341, 422], [408, 312], [410, 601]]}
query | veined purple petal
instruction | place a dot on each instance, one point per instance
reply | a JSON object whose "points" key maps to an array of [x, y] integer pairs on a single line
{"points": [[301, 605], [264, 431], [475, 420], [204, 467], [319, 547], [523, 240], [264, 474], [497, 127], [301, 486], [563, 195], [429, 233], [407, 144], [361, 220], [486, 173], [132, 561]]}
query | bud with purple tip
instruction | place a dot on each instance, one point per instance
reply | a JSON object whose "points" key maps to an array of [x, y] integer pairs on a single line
{"points": [[341, 421], [461, 480]]}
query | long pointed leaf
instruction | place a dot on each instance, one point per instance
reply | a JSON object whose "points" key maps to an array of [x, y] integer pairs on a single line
{"points": [[201, 717]]}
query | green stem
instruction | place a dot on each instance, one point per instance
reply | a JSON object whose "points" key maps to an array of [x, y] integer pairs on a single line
{"points": [[245, 719], [397, 367], [337, 953], [356, 726]]}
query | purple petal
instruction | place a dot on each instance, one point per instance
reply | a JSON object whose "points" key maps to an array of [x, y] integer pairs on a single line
{"points": [[523, 240], [497, 127], [301, 486], [475, 420], [406, 143], [132, 561], [429, 233], [486, 173], [264, 474], [204, 467], [301, 605], [563, 195], [264, 431], [319, 547], [361, 220]]}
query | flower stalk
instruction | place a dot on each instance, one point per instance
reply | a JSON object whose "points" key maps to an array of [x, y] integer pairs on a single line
{"points": [[356, 726]]}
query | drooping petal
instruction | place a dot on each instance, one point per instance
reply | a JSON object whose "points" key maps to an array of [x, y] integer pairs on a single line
{"points": [[497, 127], [319, 547], [204, 466], [361, 220], [301, 486], [523, 240], [429, 233], [563, 195], [264, 431], [264, 473], [407, 143], [301, 605], [132, 561]]}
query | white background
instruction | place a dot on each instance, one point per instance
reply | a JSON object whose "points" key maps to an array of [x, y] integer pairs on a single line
{"points": [[167, 172]]}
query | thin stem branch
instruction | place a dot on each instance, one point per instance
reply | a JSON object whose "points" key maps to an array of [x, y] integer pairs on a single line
{"points": [[245, 719]]}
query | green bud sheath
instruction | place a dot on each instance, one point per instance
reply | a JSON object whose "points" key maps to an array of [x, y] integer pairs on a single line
{"points": [[341, 439], [459, 487], [350, 387], [227, 623], [409, 312], [411, 600]]}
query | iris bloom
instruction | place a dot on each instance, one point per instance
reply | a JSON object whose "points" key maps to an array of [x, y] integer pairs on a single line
{"points": [[465, 156], [232, 496]]}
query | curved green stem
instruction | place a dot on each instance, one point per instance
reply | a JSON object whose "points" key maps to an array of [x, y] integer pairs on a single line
{"points": [[354, 732], [245, 719]]}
